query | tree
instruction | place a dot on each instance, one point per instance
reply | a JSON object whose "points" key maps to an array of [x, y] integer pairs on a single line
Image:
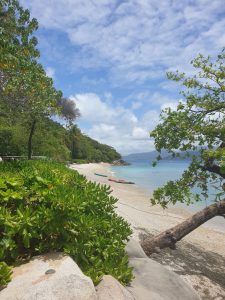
{"points": [[25, 89], [17, 48], [68, 111], [198, 123]]}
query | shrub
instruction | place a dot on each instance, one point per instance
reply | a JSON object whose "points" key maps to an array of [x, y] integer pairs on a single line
{"points": [[45, 207], [5, 274], [80, 161]]}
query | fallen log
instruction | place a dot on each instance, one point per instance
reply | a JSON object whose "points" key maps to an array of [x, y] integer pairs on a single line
{"points": [[170, 237]]}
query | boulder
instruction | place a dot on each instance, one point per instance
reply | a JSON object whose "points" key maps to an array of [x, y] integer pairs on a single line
{"points": [[134, 249], [110, 289], [153, 281], [49, 277]]}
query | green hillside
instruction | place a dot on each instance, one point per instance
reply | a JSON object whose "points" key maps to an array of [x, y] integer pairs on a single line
{"points": [[53, 140]]}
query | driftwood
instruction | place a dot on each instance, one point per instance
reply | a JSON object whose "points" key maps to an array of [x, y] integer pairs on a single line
{"points": [[169, 237]]}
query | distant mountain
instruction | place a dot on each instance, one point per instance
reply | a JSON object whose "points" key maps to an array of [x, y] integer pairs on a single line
{"points": [[151, 156], [145, 156]]}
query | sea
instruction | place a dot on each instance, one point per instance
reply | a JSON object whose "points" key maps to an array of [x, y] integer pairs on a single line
{"points": [[150, 178]]}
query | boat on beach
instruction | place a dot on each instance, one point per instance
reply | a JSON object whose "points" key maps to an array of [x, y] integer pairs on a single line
{"points": [[102, 175], [121, 181]]}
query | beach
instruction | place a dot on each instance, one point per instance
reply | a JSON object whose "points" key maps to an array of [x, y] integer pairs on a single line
{"points": [[199, 257]]}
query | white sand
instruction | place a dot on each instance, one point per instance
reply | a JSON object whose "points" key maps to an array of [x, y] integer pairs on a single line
{"points": [[200, 261], [134, 205]]}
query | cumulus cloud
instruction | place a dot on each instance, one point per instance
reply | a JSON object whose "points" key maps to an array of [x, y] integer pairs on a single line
{"points": [[115, 124]]}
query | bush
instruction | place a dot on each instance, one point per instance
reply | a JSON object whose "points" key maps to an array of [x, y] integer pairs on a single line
{"points": [[5, 274], [80, 161], [45, 207]]}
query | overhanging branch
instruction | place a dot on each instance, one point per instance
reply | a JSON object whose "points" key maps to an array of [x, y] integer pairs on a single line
{"points": [[214, 169]]}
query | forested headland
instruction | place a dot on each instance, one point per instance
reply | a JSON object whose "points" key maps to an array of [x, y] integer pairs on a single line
{"points": [[52, 140]]}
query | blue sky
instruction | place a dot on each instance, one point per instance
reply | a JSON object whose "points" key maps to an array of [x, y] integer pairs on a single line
{"points": [[111, 57]]}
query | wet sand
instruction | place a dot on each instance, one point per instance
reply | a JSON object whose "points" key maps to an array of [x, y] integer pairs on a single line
{"points": [[199, 257]]}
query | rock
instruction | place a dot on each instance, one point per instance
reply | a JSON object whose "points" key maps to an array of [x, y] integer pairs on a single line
{"points": [[49, 277], [120, 162], [110, 289], [153, 281], [134, 249]]}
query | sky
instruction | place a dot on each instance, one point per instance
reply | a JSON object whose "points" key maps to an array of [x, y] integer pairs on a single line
{"points": [[111, 58]]}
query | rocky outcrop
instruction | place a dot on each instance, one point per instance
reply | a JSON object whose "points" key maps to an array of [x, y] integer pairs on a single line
{"points": [[153, 281], [110, 289], [120, 162], [49, 277]]}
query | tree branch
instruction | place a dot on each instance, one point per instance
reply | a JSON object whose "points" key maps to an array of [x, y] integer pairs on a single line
{"points": [[214, 169], [205, 112]]}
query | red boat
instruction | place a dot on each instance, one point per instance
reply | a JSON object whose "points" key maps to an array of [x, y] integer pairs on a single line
{"points": [[121, 181]]}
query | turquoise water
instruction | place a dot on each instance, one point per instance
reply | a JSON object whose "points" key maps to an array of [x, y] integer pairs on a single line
{"points": [[144, 175], [150, 178]]}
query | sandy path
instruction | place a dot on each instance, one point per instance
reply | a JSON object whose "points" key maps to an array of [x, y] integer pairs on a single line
{"points": [[187, 260]]}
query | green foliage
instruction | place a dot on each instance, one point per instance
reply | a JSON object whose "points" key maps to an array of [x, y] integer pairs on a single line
{"points": [[26, 92], [54, 141], [197, 123], [45, 207], [79, 161], [85, 148], [5, 274], [24, 86]]}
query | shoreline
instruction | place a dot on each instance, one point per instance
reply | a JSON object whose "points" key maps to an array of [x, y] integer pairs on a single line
{"points": [[133, 198], [217, 223], [200, 256]]}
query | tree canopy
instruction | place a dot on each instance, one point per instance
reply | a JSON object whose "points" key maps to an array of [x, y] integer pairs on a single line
{"points": [[197, 123], [53, 140], [25, 89]]}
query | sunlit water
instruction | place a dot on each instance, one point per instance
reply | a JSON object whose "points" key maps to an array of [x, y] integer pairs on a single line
{"points": [[143, 174], [150, 178]]}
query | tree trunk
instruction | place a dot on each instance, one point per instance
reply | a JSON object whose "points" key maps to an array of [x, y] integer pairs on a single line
{"points": [[169, 237], [32, 129]]}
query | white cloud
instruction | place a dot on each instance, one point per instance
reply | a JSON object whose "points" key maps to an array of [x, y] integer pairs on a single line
{"points": [[140, 133], [127, 42], [136, 105], [50, 72], [115, 125], [92, 108], [137, 40], [150, 119], [148, 99], [171, 105]]}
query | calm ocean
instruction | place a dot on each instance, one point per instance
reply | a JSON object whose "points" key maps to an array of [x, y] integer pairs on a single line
{"points": [[150, 178]]}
